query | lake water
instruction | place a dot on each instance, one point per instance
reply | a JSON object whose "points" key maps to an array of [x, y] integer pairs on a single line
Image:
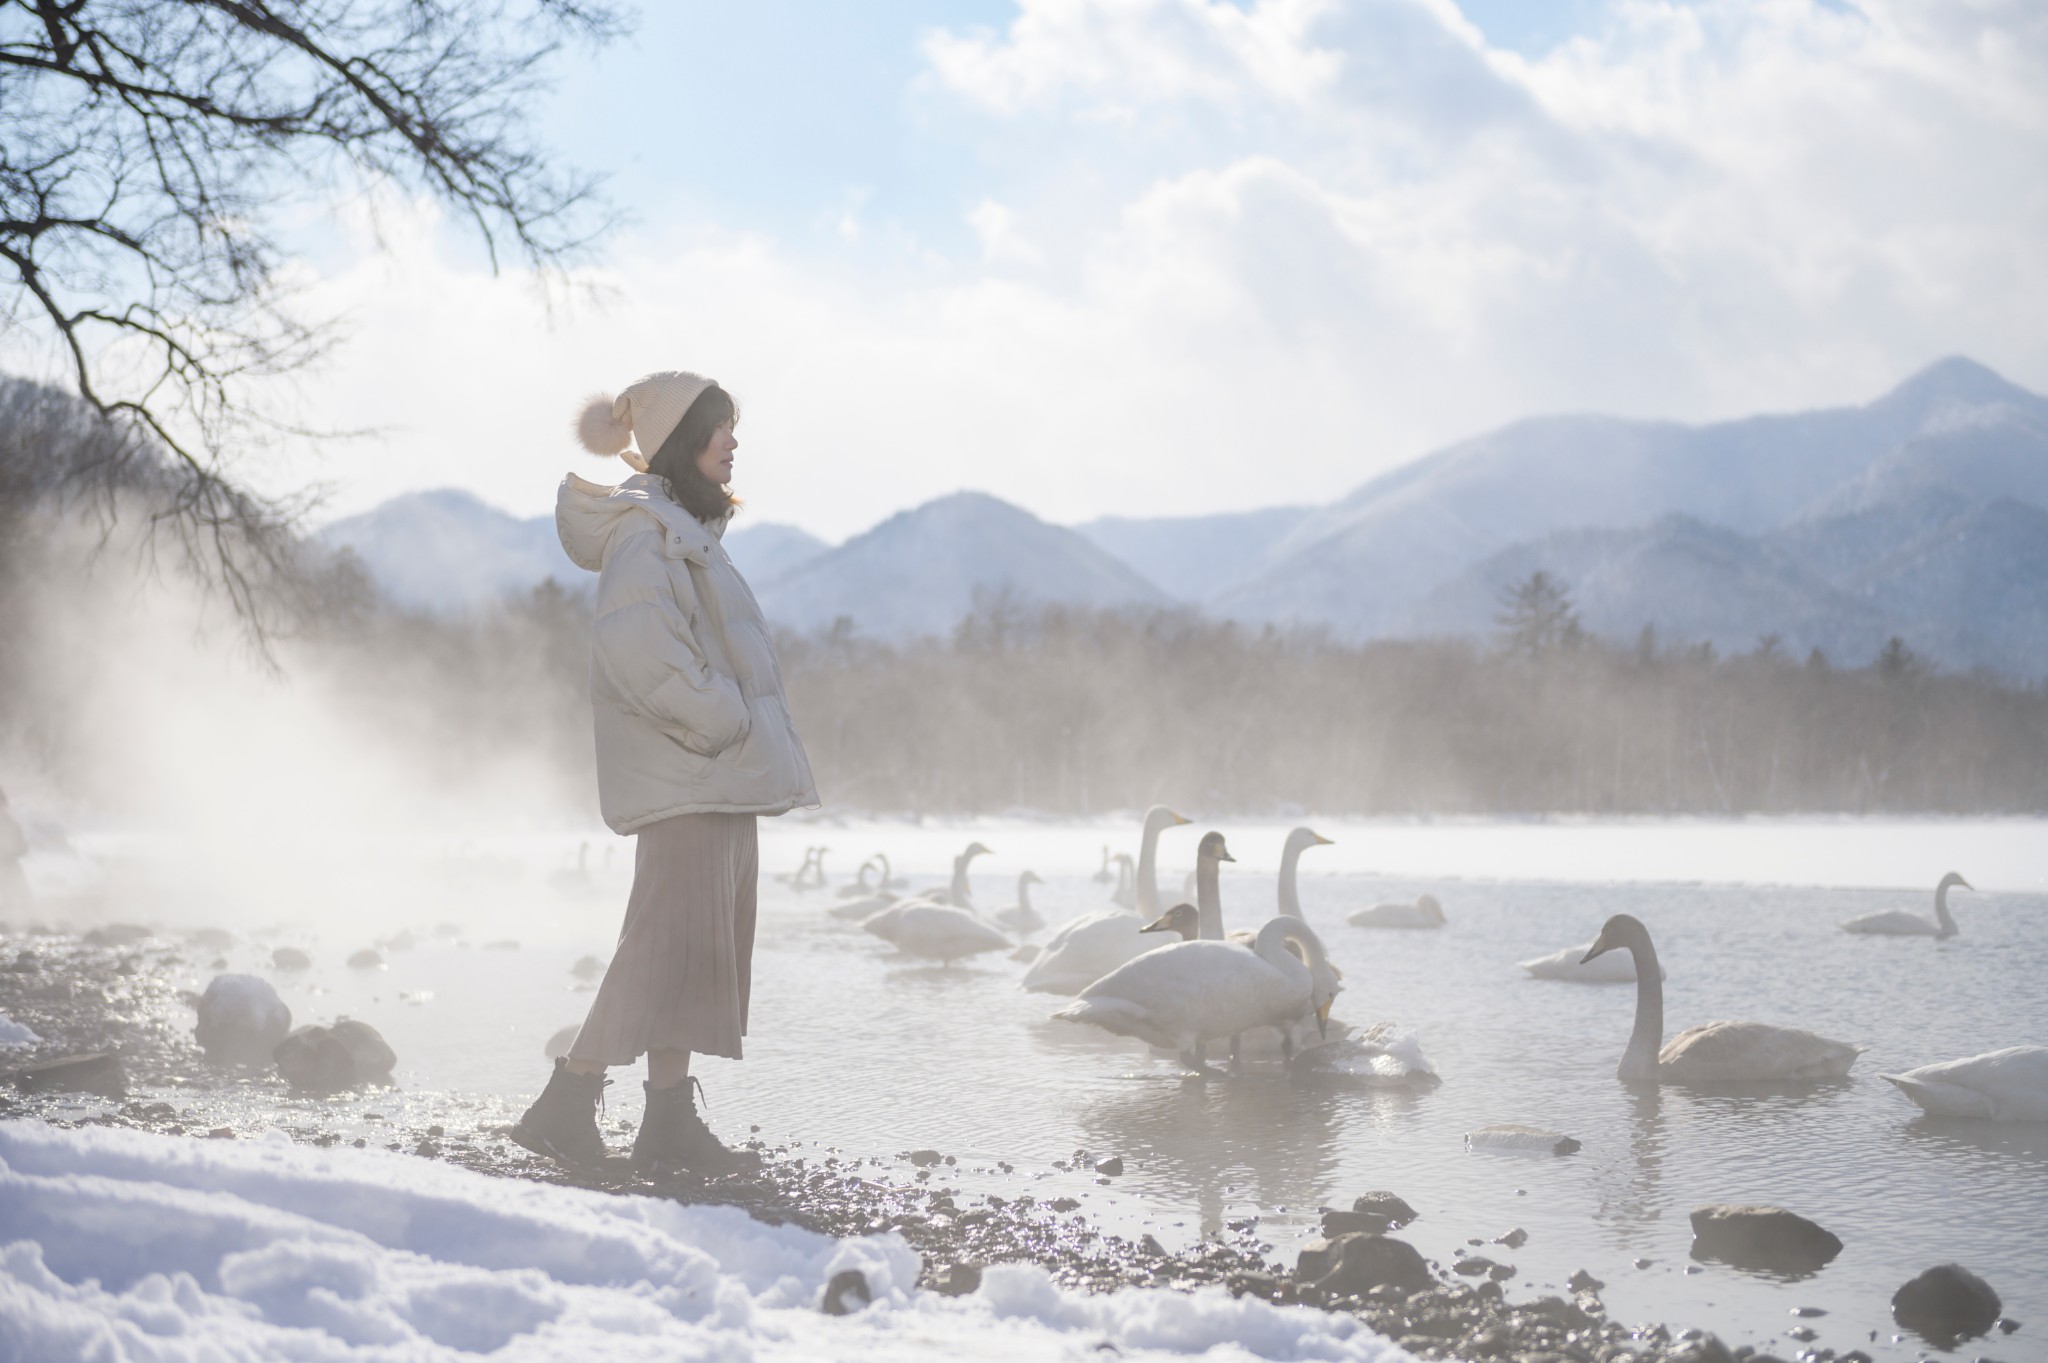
{"points": [[858, 1048]]}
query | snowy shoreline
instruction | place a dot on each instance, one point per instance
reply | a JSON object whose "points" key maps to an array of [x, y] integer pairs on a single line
{"points": [[283, 1238]]}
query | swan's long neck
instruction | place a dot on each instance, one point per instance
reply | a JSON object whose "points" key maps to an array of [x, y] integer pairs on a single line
{"points": [[1941, 913], [1148, 878], [1639, 1061], [1290, 902], [1272, 946], [885, 869], [959, 893], [1208, 900]]}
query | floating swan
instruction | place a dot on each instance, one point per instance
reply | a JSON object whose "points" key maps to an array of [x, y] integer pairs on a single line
{"points": [[938, 932], [797, 878], [1021, 917], [860, 887], [2004, 1086], [1899, 923], [1571, 964], [1085, 949], [1179, 996], [865, 906], [1103, 876], [888, 881], [1125, 895], [1713, 1052], [1298, 841], [957, 894], [1425, 912]]}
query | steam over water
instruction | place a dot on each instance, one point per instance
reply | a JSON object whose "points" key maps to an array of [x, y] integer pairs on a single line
{"points": [[856, 1047]]}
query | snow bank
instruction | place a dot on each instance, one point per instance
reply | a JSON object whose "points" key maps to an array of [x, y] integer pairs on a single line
{"points": [[121, 1245], [13, 1033]]}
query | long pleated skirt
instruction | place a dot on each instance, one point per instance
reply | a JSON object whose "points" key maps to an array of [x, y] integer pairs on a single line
{"points": [[684, 965]]}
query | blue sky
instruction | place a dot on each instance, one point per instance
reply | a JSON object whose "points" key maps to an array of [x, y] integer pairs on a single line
{"points": [[1171, 256]]}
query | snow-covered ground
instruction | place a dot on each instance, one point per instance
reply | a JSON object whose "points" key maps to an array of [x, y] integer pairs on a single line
{"points": [[120, 1245]]}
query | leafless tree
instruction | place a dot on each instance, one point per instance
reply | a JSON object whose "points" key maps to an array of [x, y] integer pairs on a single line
{"points": [[149, 150]]}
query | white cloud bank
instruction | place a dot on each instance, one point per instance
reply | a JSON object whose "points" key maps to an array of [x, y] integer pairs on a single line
{"points": [[1227, 255]]}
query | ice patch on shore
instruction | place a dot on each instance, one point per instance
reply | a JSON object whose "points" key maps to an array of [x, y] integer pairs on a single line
{"points": [[13, 1033], [123, 1244]]}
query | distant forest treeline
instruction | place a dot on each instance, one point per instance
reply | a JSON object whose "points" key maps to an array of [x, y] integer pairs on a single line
{"points": [[1072, 711]]}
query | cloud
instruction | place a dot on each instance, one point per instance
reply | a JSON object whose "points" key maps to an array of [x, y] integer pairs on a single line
{"points": [[1226, 254]]}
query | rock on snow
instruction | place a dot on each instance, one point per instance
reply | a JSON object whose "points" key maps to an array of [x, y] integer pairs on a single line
{"points": [[117, 1243]]}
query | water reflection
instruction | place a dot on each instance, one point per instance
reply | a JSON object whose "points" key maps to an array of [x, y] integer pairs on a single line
{"points": [[1256, 1139], [2021, 1146], [1629, 1188]]}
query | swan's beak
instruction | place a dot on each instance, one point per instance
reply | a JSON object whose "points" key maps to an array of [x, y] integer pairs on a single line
{"points": [[1224, 855], [1322, 841], [1598, 948], [1323, 1019], [1178, 819], [1163, 923]]}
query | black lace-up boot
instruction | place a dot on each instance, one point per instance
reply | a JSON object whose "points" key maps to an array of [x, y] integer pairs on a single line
{"points": [[673, 1138], [562, 1123]]}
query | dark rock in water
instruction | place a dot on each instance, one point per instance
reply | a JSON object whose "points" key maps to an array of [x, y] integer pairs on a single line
{"points": [[847, 1293], [241, 1020], [1472, 1266], [558, 1045], [1336, 1223], [291, 958], [117, 935], [1397, 1211], [956, 1280], [587, 969], [367, 959], [2008, 1326], [1583, 1281], [1113, 1166], [1706, 1349], [1500, 1273], [329, 1059], [1514, 1239], [93, 1072], [1759, 1237], [1355, 1264], [211, 939], [1150, 1244], [924, 1159], [1945, 1305]]}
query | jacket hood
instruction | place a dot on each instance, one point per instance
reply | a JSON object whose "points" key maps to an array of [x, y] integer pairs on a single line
{"points": [[591, 518]]}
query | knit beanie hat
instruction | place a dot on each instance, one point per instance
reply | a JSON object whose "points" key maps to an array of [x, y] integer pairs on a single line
{"points": [[644, 414]]}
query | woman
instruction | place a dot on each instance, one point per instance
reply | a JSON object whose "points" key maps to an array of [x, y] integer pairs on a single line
{"points": [[694, 740]]}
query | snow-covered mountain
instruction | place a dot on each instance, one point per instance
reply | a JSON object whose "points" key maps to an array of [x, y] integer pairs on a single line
{"points": [[920, 571], [1194, 558], [448, 551], [1364, 565]]}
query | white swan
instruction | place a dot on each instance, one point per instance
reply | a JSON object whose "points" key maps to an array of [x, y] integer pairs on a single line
{"points": [[1125, 895], [864, 907], [938, 932], [1021, 917], [1103, 876], [1425, 912], [1713, 1052], [1899, 923], [797, 879], [2005, 1086], [889, 882], [860, 887], [1381, 1054], [1571, 964], [1298, 841], [1085, 949], [957, 894], [1179, 996]]}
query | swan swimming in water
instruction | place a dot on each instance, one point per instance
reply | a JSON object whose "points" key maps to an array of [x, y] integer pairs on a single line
{"points": [[1125, 895], [1021, 917], [1425, 912], [1179, 996], [1617, 967], [1899, 923], [1103, 876], [1085, 949], [2004, 1086], [1713, 1052], [938, 932], [860, 887]]}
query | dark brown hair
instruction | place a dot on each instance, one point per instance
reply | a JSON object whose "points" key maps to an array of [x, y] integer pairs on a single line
{"points": [[675, 463]]}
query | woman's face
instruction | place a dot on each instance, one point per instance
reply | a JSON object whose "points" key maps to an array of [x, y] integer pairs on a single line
{"points": [[716, 461]]}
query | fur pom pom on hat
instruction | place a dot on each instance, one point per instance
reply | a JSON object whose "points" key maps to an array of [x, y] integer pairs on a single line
{"points": [[642, 415]]}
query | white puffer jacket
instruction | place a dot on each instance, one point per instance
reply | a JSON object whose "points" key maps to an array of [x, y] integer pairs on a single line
{"points": [[690, 713]]}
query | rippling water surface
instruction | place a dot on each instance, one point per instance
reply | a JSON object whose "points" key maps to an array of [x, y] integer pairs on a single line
{"points": [[856, 1047]]}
